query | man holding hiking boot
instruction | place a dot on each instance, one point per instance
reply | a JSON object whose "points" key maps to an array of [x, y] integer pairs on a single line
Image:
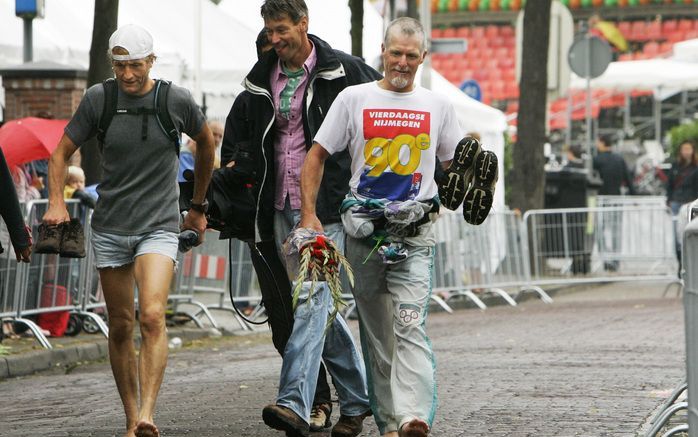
{"points": [[136, 221], [395, 133]]}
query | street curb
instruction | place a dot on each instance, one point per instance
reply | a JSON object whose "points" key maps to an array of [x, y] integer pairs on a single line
{"points": [[13, 366]]}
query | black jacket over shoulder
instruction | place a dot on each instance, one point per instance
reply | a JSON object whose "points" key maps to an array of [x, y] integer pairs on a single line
{"points": [[334, 71]]}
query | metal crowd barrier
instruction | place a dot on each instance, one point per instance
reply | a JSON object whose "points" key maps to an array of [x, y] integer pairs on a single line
{"points": [[586, 245], [212, 268], [49, 284], [690, 301], [488, 258]]}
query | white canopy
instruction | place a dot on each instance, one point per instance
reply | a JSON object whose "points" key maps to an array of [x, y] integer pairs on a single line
{"points": [[663, 76]]}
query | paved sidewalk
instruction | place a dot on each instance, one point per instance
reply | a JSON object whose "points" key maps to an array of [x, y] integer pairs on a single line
{"points": [[597, 362]]}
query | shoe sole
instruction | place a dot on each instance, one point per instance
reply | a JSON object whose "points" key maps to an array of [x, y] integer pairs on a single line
{"points": [[453, 187], [278, 423], [479, 198]]}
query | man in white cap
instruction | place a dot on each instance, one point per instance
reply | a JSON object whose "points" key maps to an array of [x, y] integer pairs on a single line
{"points": [[136, 222]]}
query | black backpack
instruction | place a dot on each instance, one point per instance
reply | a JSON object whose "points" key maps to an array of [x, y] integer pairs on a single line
{"points": [[159, 110]]}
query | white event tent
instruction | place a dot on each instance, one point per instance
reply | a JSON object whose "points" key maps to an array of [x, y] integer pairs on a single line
{"points": [[664, 76]]}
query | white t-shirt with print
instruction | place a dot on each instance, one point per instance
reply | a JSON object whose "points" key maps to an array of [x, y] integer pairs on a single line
{"points": [[393, 139]]}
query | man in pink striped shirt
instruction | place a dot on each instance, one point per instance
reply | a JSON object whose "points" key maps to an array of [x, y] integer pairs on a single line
{"points": [[291, 88]]}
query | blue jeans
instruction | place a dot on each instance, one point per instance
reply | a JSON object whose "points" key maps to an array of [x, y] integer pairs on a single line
{"points": [[310, 343]]}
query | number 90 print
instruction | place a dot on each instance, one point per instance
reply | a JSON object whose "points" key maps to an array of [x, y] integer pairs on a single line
{"points": [[383, 153]]}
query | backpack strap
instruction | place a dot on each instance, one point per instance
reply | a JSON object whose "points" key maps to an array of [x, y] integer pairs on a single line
{"points": [[108, 110], [160, 110], [162, 113]]}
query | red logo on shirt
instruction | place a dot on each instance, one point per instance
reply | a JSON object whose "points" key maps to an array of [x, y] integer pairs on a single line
{"points": [[389, 123]]}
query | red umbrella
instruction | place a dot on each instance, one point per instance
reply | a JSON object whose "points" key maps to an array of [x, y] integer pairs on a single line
{"points": [[28, 139]]}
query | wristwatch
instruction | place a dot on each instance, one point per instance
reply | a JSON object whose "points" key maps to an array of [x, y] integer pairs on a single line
{"points": [[199, 207]]}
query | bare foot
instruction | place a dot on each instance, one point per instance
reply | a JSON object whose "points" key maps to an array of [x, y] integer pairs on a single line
{"points": [[414, 428], [145, 428], [130, 433], [390, 434]]}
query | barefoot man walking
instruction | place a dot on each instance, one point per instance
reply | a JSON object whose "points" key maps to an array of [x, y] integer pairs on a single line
{"points": [[136, 222]]}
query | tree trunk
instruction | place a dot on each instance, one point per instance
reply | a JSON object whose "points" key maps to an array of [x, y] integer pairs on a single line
{"points": [[528, 174], [412, 9], [357, 27], [105, 22]]}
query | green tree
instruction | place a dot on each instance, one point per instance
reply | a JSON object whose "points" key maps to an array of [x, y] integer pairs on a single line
{"points": [[412, 9], [528, 174], [357, 27], [104, 24]]}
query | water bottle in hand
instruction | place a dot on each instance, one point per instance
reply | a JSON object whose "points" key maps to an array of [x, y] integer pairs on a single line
{"points": [[187, 239]]}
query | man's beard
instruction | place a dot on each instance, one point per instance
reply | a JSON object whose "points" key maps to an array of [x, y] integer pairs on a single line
{"points": [[399, 82]]}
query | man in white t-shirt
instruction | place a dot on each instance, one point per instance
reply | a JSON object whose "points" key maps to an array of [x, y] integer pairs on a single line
{"points": [[394, 132]]}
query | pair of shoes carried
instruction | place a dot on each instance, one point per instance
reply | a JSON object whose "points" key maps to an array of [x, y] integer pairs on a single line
{"points": [[470, 180], [414, 428], [66, 239], [350, 426], [285, 419], [320, 417]]}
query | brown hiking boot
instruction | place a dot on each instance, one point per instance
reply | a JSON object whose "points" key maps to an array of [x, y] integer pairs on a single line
{"points": [[49, 238], [285, 419], [73, 241], [320, 417], [349, 426], [414, 428]]}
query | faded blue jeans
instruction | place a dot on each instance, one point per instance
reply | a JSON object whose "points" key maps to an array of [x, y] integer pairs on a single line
{"points": [[309, 344]]}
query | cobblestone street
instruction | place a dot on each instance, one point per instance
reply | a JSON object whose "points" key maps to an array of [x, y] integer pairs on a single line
{"points": [[593, 366]]}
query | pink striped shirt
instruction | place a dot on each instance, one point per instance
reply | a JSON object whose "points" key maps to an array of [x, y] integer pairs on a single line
{"points": [[289, 144]]}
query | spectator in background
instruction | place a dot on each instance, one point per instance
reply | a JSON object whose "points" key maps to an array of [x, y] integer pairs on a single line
{"points": [[682, 185], [27, 186], [188, 151], [614, 174], [612, 169], [217, 131], [186, 157], [75, 187], [11, 213]]}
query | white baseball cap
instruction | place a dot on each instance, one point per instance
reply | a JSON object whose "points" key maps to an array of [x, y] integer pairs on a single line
{"points": [[136, 40]]}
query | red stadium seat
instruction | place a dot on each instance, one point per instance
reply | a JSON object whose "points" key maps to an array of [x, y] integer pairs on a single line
{"points": [[449, 33], [686, 24], [638, 31], [507, 31], [511, 90], [651, 49], [676, 35], [624, 27], [491, 31], [463, 32], [477, 32], [654, 30], [436, 33], [666, 48], [669, 26]]}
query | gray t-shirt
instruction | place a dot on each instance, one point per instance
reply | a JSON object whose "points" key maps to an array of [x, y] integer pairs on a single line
{"points": [[139, 191]]}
